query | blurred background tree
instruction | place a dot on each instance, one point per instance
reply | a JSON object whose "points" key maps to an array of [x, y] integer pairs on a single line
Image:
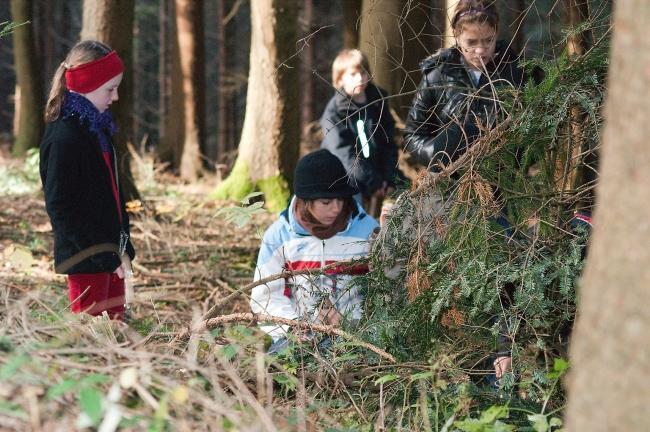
{"points": [[189, 104]]}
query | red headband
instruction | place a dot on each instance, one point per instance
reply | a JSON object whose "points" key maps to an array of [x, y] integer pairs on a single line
{"points": [[89, 76]]}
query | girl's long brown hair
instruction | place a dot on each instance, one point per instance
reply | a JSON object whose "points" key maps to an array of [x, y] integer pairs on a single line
{"points": [[82, 53]]}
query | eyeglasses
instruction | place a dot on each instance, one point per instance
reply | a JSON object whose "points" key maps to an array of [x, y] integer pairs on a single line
{"points": [[473, 46]]}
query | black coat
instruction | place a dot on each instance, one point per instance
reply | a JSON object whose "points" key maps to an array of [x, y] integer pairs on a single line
{"points": [[79, 198], [449, 104], [339, 123]]}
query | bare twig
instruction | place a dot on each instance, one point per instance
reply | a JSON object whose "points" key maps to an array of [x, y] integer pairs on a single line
{"points": [[214, 310], [303, 325]]}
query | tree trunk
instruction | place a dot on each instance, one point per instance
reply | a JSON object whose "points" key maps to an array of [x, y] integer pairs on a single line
{"points": [[578, 13], [269, 145], [307, 86], [170, 147], [573, 154], [164, 86], [396, 35], [223, 100], [189, 23], [111, 22], [610, 353], [351, 15], [29, 87], [449, 32]]}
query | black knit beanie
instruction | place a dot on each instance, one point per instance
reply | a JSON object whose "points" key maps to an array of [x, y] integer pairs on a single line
{"points": [[320, 174]]}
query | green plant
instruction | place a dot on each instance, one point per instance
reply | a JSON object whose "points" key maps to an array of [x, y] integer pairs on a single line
{"points": [[241, 215]]}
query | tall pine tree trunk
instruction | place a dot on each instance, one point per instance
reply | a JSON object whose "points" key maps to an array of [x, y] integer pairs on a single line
{"points": [[170, 148], [29, 87], [449, 32], [223, 99], [111, 22], [571, 171], [307, 81], [189, 23], [396, 35], [164, 85], [269, 145], [610, 353]]}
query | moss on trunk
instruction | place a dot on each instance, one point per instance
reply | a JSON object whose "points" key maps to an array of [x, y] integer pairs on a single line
{"points": [[276, 192], [238, 185]]}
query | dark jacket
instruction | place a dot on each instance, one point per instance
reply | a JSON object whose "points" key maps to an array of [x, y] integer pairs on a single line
{"points": [[449, 104], [79, 198], [339, 122]]}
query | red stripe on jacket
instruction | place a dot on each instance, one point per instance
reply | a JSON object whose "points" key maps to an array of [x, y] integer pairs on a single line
{"points": [[345, 268]]}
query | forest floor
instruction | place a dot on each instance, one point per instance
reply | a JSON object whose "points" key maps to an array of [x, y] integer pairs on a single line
{"points": [[59, 371], [167, 368]]}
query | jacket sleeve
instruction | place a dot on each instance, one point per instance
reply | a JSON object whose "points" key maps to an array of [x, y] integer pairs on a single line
{"points": [[432, 134], [341, 142], [388, 155], [269, 298]]}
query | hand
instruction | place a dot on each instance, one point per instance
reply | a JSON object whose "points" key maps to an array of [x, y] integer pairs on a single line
{"points": [[125, 272], [502, 364], [328, 315], [385, 210]]}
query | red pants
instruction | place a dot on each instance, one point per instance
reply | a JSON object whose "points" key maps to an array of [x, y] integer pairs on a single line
{"points": [[95, 293]]}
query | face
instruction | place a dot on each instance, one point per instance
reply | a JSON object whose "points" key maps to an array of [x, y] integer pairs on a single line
{"points": [[477, 42], [326, 210], [105, 94], [354, 81]]}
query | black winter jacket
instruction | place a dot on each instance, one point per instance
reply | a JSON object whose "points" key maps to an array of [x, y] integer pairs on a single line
{"points": [[449, 104], [339, 124], [79, 198]]}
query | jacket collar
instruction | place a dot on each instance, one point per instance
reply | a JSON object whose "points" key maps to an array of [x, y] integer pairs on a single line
{"points": [[345, 102]]}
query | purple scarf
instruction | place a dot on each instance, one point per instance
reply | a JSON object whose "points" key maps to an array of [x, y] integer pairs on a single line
{"points": [[100, 124]]}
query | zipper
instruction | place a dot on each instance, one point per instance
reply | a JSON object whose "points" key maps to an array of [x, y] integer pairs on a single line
{"points": [[322, 264]]}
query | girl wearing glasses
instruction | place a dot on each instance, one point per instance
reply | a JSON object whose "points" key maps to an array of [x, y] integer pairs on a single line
{"points": [[457, 97]]}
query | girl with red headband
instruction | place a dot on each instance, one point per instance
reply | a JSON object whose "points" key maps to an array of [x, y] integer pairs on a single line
{"points": [[78, 169]]}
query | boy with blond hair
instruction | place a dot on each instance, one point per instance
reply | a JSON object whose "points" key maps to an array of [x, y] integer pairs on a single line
{"points": [[358, 128]]}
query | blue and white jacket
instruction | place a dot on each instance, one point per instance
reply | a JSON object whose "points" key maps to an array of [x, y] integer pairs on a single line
{"points": [[288, 246]]}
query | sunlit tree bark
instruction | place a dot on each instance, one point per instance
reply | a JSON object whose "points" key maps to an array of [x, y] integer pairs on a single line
{"points": [[172, 128], [189, 23], [269, 145], [396, 35], [450, 7], [610, 353]]}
